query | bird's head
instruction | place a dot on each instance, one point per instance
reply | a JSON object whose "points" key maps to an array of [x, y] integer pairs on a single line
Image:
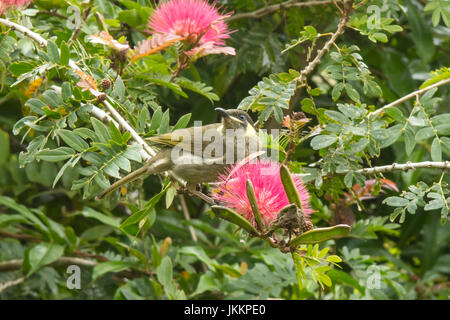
{"points": [[236, 119]]}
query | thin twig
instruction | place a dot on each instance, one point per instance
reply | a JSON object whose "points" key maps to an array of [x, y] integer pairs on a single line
{"points": [[187, 216], [79, 24], [275, 7], [26, 32], [8, 284], [444, 165], [403, 167], [310, 67], [409, 96], [14, 265], [26, 237]]}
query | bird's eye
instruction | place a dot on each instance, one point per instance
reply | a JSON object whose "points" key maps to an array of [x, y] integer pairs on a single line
{"points": [[242, 117]]}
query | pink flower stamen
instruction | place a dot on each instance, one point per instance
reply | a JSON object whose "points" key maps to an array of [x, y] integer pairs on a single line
{"points": [[199, 22], [268, 187]]}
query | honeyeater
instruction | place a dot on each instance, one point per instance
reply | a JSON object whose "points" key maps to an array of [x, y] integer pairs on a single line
{"points": [[199, 154]]}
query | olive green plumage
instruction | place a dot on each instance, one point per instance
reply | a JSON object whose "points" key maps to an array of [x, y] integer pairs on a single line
{"points": [[198, 161]]}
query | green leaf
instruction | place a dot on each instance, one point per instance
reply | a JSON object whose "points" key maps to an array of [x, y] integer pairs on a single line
{"points": [[93, 214], [73, 140], [207, 282], [379, 36], [65, 54], [322, 141], [156, 119], [55, 155], [164, 125], [344, 278], [101, 130], [323, 278], [148, 209], [234, 217], [337, 91], [119, 89], [200, 254], [36, 106], [253, 203], [170, 195], [351, 92], [443, 129], [66, 91], [133, 153], [334, 258], [115, 133], [424, 133], [396, 201], [172, 86], [61, 172], [21, 67], [436, 150], [336, 116], [321, 234], [110, 266], [42, 255], [24, 211], [308, 105], [183, 121], [410, 140], [198, 87], [164, 271], [52, 51]]}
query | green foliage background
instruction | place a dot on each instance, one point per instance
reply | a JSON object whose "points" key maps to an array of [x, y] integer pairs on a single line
{"points": [[55, 155]]}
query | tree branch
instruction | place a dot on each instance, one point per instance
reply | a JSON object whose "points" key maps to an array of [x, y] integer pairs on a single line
{"points": [[8, 284], [14, 265], [187, 216], [409, 96], [340, 30], [275, 7], [272, 123], [444, 165], [27, 32], [404, 167], [26, 237]]}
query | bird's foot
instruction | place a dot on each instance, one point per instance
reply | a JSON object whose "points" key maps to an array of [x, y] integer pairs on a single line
{"points": [[193, 189]]}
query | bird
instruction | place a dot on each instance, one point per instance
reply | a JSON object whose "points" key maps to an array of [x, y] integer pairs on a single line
{"points": [[199, 154]]}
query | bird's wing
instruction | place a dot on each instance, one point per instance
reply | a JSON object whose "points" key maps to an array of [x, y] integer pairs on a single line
{"points": [[182, 138]]}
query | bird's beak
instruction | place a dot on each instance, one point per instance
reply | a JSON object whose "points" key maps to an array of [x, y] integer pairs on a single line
{"points": [[223, 112]]}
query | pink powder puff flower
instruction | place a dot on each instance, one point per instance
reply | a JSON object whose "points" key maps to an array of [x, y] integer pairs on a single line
{"points": [[269, 191], [197, 22], [11, 4]]}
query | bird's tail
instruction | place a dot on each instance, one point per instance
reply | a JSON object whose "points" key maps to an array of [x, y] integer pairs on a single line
{"points": [[127, 179], [157, 164]]}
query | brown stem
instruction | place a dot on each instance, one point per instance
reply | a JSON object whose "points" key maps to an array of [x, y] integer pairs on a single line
{"points": [[275, 7], [187, 216]]}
